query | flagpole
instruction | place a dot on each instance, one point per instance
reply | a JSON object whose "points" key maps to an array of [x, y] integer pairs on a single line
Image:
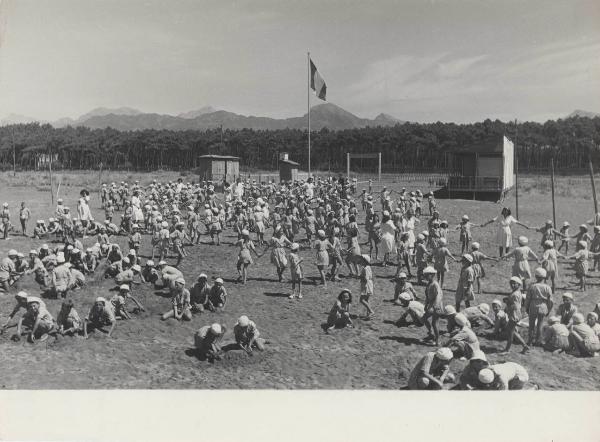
{"points": [[308, 103]]}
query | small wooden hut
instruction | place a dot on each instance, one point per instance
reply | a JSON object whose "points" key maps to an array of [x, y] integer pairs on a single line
{"points": [[218, 168]]}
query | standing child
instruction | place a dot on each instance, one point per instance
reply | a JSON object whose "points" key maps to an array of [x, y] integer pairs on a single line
{"points": [[550, 262], [366, 285], [521, 264], [581, 257], [478, 258], [322, 245], [595, 248], [421, 255], [440, 260], [403, 254], [564, 242], [244, 257], [465, 233], [24, 215], [296, 271]]}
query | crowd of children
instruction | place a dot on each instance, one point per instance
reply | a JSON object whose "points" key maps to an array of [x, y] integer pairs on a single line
{"points": [[290, 219]]}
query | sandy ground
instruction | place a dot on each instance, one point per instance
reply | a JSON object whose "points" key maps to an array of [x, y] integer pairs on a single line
{"points": [[146, 352]]}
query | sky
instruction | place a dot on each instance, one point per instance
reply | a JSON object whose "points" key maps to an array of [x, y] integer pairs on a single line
{"points": [[418, 60]]}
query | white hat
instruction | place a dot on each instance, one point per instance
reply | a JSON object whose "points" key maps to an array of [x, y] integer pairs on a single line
{"points": [[444, 354], [429, 270], [295, 246], [568, 295], [517, 280], [479, 355], [475, 246], [162, 263], [404, 296], [136, 268], [125, 260], [449, 310], [12, 252], [465, 217], [164, 224], [540, 272], [486, 376], [202, 275], [31, 299], [60, 259], [549, 243], [219, 281], [582, 244], [243, 321], [321, 232], [484, 308], [132, 252], [523, 241], [443, 241], [21, 295], [402, 275], [150, 263], [101, 299], [124, 287], [216, 329], [496, 302], [180, 280], [245, 232]]}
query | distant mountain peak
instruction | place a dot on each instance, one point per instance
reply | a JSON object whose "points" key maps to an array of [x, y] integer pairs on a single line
{"points": [[17, 119], [198, 112], [102, 111], [583, 114]]}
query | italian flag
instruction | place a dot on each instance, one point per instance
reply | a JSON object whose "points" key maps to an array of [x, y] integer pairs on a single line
{"points": [[317, 83]]}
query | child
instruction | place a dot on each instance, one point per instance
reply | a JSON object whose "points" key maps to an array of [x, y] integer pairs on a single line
{"points": [[24, 215], [403, 286], [404, 254], [465, 233], [68, 320], [335, 253], [550, 262], [464, 290], [414, 310], [564, 242], [207, 341], [514, 303], [566, 310], [180, 300], [217, 297], [339, 316], [582, 264], [440, 260], [421, 255], [296, 271], [247, 335], [478, 257], [595, 248], [556, 336], [244, 256], [434, 308], [521, 264], [538, 304], [37, 320], [366, 286], [322, 245], [582, 338]]}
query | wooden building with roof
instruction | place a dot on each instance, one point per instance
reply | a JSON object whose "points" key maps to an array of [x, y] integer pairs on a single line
{"points": [[218, 168], [483, 170], [288, 169]]}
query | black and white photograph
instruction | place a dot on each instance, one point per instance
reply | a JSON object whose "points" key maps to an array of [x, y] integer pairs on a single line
{"points": [[300, 195]]}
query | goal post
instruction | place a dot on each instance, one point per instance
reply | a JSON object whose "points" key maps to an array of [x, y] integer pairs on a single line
{"points": [[349, 156]]}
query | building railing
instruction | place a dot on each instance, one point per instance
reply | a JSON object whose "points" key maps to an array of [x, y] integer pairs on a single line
{"points": [[475, 183]]}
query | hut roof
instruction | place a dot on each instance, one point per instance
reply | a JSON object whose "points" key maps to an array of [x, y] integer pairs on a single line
{"points": [[290, 162], [220, 157]]}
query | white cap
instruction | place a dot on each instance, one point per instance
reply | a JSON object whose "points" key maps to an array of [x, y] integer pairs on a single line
{"points": [[540, 272], [478, 354], [449, 310], [404, 296], [216, 329], [243, 321], [136, 268], [461, 320], [517, 280], [429, 270], [568, 295], [124, 287], [486, 376], [444, 354], [219, 281], [484, 308]]}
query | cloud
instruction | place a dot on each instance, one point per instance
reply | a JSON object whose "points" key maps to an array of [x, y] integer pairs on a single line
{"points": [[539, 80]]}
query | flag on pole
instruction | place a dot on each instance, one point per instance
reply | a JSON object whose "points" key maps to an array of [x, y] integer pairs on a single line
{"points": [[317, 83]]}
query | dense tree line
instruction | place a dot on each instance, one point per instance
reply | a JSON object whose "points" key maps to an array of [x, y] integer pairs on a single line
{"points": [[405, 147]]}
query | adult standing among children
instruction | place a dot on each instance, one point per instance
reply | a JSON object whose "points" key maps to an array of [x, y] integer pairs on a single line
{"points": [[504, 221]]}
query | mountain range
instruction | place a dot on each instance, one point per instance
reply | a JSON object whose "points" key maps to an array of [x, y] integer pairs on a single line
{"points": [[125, 119], [325, 115]]}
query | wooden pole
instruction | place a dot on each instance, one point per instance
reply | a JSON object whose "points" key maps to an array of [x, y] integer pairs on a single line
{"points": [[516, 158], [308, 104], [379, 170], [50, 168], [348, 164], [14, 153], [593, 187], [553, 201]]}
